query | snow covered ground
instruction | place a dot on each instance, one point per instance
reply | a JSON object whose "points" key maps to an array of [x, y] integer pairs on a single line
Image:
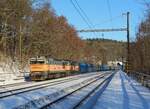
{"points": [[121, 93], [8, 77], [124, 93], [9, 72], [37, 98], [73, 100]]}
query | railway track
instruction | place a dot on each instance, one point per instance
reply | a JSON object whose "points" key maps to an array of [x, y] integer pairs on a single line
{"points": [[95, 92], [15, 84], [93, 86], [31, 83], [34, 83], [36, 86]]}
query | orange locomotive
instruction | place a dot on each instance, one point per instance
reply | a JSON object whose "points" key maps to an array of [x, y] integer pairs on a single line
{"points": [[42, 68]]}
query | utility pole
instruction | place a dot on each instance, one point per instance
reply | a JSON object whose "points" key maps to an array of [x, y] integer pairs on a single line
{"points": [[20, 47], [127, 29], [128, 43]]}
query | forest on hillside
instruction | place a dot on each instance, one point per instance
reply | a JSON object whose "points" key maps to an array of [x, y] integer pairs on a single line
{"points": [[106, 50], [140, 49], [26, 31]]}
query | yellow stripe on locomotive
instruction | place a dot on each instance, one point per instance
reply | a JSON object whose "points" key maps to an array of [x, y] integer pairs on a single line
{"points": [[42, 68]]}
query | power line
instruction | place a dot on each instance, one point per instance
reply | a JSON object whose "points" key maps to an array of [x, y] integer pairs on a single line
{"points": [[80, 14], [113, 19], [84, 13], [84, 16], [109, 8]]}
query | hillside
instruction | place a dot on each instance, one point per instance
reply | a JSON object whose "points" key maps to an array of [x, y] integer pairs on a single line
{"points": [[106, 50], [34, 35]]}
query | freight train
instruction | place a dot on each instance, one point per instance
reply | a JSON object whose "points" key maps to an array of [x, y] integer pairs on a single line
{"points": [[42, 68]]}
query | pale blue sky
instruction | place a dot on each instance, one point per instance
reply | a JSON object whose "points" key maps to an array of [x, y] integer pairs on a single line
{"points": [[98, 13]]}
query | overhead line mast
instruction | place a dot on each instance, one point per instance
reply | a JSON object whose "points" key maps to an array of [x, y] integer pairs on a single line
{"points": [[127, 29], [104, 30], [128, 43]]}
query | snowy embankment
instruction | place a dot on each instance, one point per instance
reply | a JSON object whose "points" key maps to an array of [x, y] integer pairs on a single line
{"points": [[124, 93], [9, 72]]}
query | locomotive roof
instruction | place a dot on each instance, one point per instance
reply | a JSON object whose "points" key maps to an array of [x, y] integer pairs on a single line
{"points": [[35, 59], [50, 58]]}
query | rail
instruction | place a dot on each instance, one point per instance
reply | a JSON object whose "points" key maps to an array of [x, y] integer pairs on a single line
{"points": [[96, 89], [10, 92], [77, 90]]}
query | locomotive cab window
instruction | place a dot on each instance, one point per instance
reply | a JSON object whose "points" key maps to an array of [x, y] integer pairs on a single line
{"points": [[37, 62], [40, 62]]}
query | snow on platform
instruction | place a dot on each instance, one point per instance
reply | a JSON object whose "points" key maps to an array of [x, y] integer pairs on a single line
{"points": [[124, 93]]}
